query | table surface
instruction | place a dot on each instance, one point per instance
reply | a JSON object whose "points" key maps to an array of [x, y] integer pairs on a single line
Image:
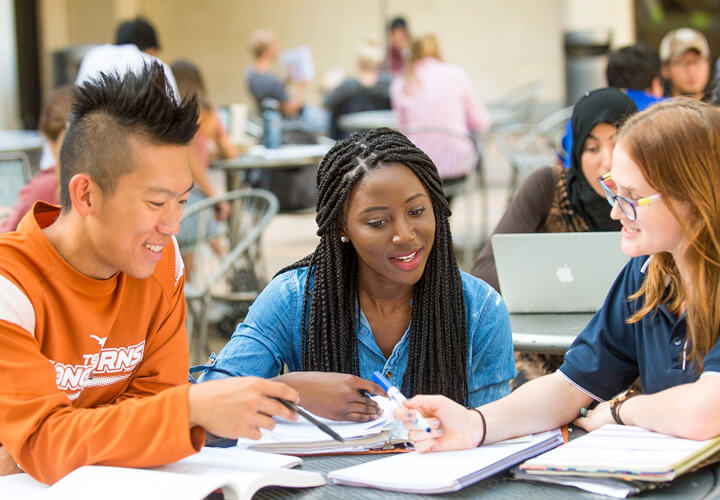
{"points": [[19, 140], [291, 155], [367, 120], [700, 484], [546, 332]]}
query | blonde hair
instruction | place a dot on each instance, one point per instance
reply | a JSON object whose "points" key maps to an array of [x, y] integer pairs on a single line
{"points": [[676, 145], [369, 55], [260, 40], [420, 48]]}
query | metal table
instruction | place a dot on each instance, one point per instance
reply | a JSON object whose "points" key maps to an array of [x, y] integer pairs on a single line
{"points": [[29, 142], [546, 333], [368, 120], [700, 484], [258, 157]]}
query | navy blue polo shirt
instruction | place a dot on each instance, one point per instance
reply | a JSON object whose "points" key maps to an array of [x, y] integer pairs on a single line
{"points": [[610, 354]]}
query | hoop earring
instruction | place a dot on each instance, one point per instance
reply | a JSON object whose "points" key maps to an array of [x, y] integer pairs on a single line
{"points": [[344, 239]]}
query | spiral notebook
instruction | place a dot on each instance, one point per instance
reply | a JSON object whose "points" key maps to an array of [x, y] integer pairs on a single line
{"points": [[447, 471]]}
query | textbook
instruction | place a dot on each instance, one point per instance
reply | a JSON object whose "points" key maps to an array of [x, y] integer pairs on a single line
{"points": [[625, 452], [446, 471], [303, 438], [239, 473]]}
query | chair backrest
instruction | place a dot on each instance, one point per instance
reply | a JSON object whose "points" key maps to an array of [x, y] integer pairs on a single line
{"points": [[252, 210], [14, 174], [516, 106]]}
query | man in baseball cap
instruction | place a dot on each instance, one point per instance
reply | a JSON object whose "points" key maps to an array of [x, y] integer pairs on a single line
{"points": [[685, 57]]}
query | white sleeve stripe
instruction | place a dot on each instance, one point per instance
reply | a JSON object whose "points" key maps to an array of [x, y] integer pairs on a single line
{"points": [[15, 307], [179, 264], [584, 391]]}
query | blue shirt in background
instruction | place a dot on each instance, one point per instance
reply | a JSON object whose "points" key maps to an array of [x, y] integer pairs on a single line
{"points": [[272, 335], [642, 100], [610, 354]]}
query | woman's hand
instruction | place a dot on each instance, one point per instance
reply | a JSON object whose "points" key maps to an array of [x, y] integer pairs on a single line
{"points": [[336, 396], [597, 417], [454, 427]]}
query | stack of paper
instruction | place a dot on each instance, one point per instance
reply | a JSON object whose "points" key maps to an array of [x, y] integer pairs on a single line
{"points": [[625, 452], [303, 438]]}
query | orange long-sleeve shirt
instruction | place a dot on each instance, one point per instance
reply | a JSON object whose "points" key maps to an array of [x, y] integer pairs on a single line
{"points": [[91, 371]]}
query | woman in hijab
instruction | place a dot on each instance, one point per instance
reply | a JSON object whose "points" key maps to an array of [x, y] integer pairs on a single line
{"points": [[557, 200]]}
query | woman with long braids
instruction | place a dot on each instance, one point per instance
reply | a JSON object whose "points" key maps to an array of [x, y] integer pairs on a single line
{"points": [[382, 291]]}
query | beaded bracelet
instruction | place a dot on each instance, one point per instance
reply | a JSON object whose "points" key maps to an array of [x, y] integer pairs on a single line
{"points": [[616, 403], [484, 426]]}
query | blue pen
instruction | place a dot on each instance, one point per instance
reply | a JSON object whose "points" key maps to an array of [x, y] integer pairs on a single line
{"points": [[397, 396]]}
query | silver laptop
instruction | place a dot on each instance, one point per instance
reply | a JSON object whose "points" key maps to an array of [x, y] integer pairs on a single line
{"points": [[557, 272]]}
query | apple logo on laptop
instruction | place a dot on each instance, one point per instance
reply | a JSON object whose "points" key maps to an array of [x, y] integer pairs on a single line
{"points": [[564, 274]]}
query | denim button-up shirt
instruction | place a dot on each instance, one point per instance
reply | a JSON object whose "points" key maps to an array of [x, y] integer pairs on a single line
{"points": [[272, 335]]}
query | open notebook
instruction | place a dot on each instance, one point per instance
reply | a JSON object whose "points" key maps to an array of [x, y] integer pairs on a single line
{"points": [[303, 438], [240, 473], [625, 452], [445, 471]]}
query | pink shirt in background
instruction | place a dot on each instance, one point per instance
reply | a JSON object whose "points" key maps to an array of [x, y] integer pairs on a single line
{"points": [[441, 97], [43, 186]]}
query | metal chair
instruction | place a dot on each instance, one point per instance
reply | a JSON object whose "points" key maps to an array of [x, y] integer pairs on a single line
{"points": [[516, 106], [527, 147], [445, 146], [238, 277], [14, 174]]}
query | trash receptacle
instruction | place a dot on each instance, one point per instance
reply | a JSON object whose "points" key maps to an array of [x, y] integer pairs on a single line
{"points": [[586, 56]]}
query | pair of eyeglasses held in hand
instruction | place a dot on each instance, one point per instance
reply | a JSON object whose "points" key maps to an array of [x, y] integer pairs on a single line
{"points": [[628, 206]]}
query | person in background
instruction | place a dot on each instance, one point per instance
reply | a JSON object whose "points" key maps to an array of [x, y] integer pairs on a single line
{"points": [[661, 318], [635, 70], [136, 44], [44, 185], [263, 84], [435, 96], [210, 140], [713, 95], [685, 57], [93, 346], [398, 50], [559, 200], [369, 90], [381, 291]]}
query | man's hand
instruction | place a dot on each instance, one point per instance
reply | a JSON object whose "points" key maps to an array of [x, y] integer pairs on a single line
{"points": [[7, 463], [336, 396], [239, 406]]}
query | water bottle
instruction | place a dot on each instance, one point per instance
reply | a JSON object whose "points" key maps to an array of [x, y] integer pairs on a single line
{"points": [[272, 123]]}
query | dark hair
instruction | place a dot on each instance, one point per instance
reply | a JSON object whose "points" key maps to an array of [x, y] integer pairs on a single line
{"points": [[107, 110], [189, 81], [437, 355], [713, 94], [633, 67], [397, 23], [54, 114], [138, 31]]}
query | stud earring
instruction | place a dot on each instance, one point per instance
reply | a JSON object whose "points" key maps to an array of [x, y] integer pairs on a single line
{"points": [[344, 239]]}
